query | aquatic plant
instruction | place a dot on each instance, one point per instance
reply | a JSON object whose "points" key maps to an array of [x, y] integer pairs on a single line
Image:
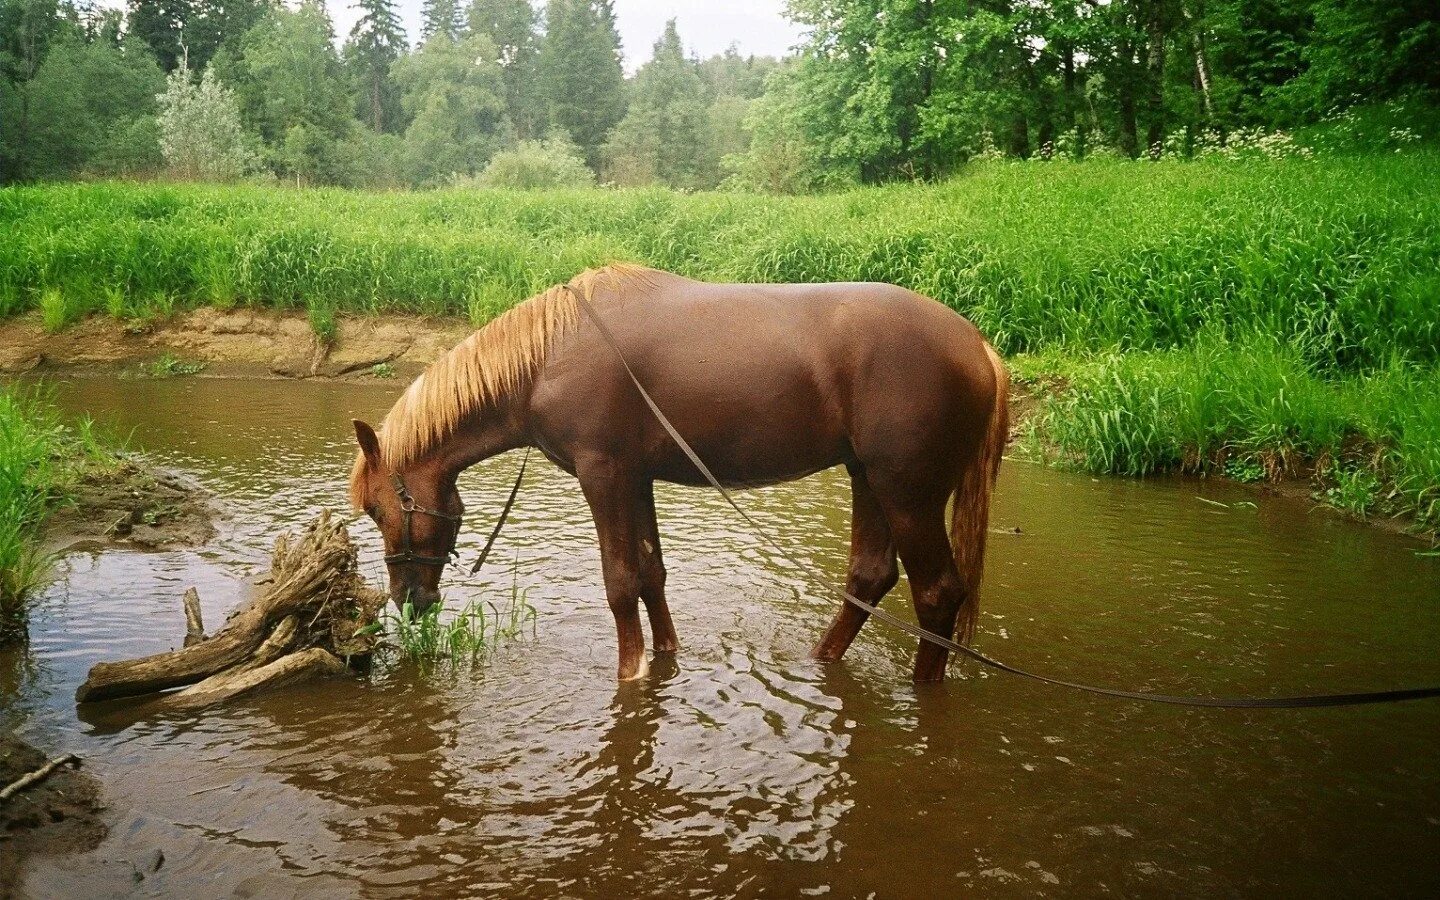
{"points": [[168, 365], [470, 634]]}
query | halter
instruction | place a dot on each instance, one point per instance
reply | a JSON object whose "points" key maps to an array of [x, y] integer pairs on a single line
{"points": [[410, 508]]}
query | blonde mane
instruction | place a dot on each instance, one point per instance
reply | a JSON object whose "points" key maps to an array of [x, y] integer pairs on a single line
{"points": [[501, 357]]}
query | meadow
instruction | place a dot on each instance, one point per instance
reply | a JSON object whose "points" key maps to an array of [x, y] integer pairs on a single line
{"points": [[1247, 316]]}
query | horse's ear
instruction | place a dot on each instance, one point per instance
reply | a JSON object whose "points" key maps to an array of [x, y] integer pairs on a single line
{"points": [[369, 443]]}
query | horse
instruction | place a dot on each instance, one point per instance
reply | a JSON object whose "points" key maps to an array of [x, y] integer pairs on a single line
{"points": [[768, 382]]}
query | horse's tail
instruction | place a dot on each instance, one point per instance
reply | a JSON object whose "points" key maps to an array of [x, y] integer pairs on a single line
{"points": [[970, 504]]}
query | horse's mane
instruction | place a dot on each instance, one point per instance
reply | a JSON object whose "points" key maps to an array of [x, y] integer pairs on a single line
{"points": [[502, 356]]}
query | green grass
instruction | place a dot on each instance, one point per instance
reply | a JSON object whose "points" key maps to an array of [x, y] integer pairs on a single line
{"points": [[468, 635], [168, 365], [1251, 410], [1335, 255], [1256, 317], [40, 459]]}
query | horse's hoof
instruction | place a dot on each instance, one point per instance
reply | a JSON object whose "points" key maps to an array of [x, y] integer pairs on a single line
{"points": [[640, 671]]}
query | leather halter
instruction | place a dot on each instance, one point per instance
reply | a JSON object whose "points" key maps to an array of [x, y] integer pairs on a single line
{"points": [[410, 508]]}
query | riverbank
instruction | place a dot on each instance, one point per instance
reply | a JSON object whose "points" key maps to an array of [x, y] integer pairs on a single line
{"points": [[241, 343], [1366, 444], [59, 815], [63, 486]]}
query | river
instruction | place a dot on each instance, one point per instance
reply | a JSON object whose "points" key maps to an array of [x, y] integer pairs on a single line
{"points": [[743, 767]]}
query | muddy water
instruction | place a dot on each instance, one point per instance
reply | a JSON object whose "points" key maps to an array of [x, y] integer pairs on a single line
{"points": [[744, 768]]}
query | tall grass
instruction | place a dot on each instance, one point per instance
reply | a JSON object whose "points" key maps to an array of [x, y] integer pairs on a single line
{"points": [[1256, 314], [32, 479], [1337, 256], [1254, 409], [470, 634]]}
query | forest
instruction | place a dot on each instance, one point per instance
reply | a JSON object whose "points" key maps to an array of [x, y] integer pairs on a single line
{"points": [[506, 93]]}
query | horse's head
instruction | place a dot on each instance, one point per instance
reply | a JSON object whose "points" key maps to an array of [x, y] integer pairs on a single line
{"points": [[418, 512]]}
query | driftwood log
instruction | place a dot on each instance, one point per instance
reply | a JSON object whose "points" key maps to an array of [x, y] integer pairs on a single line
{"points": [[315, 610]]}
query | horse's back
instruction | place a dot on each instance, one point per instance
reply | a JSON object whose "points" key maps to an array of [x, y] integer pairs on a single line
{"points": [[772, 382]]}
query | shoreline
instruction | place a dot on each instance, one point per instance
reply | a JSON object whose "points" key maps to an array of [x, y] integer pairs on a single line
{"points": [[257, 343]]}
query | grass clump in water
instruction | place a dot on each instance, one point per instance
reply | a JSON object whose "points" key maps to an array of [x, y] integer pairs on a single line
{"points": [[469, 635], [170, 366], [40, 461]]}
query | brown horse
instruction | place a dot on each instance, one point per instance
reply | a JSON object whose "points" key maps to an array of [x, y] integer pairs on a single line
{"points": [[769, 383]]}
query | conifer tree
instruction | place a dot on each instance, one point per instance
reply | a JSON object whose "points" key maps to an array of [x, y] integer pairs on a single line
{"points": [[512, 26], [580, 73], [376, 42], [440, 17], [664, 135]]}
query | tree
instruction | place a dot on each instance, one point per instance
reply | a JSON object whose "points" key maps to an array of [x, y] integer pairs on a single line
{"points": [[665, 133], [451, 91], [530, 165], [512, 26], [161, 25], [91, 100], [27, 28], [290, 75], [200, 132], [580, 75], [440, 17], [1367, 49], [376, 41]]}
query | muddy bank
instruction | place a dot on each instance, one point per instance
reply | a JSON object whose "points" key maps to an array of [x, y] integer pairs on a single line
{"points": [[235, 342], [126, 501], [56, 816]]}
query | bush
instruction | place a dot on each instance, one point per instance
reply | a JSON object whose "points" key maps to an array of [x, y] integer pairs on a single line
{"points": [[530, 165], [200, 133]]}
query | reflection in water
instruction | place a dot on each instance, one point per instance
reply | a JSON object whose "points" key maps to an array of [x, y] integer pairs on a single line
{"points": [[739, 766]]}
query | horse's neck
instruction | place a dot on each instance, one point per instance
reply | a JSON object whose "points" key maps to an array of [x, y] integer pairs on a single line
{"points": [[481, 435]]}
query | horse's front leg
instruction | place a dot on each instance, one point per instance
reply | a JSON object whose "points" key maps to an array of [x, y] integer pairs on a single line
{"points": [[615, 503]]}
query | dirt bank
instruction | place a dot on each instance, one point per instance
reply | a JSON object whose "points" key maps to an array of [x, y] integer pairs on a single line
{"points": [[59, 815], [126, 501], [234, 342]]}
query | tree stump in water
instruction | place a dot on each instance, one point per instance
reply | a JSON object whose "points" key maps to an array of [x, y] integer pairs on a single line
{"points": [[316, 610]]}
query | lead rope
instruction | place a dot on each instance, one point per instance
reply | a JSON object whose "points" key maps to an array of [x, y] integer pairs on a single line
{"points": [[1315, 700], [504, 514]]}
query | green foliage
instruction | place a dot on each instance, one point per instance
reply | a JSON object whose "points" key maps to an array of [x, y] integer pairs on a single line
{"points": [[664, 135], [452, 92], [439, 18], [168, 365], [84, 96], [292, 91], [579, 72], [39, 462], [1245, 468], [513, 27], [376, 41], [322, 322], [1335, 257], [533, 165], [200, 133], [470, 635], [1258, 407], [1353, 489]]}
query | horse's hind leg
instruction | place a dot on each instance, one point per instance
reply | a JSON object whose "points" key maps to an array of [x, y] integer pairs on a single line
{"points": [[652, 577], [873, 570], [918, 528], [614, 502]]}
